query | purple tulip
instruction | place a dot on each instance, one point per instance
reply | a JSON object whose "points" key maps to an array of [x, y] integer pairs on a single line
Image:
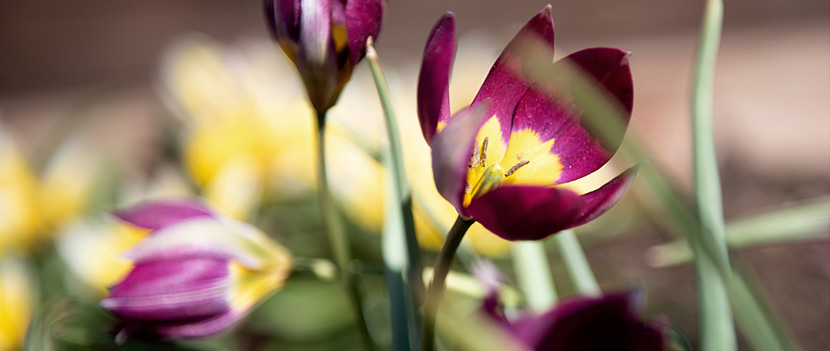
{"points": [[325, 39], [196, 274], [608, 322], [503, 161]]}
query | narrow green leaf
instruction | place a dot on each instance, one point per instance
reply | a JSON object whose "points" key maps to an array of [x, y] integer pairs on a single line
{"points": [[532, 268], [717, 328], [576, 263], [803, 221]]}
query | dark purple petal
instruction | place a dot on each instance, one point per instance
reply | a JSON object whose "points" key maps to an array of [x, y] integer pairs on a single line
{"points": [[602, 199], [155, 215], [588, 324], [610, 68], [451, 150], [527, 55], [363, 20], [434, 79], [286, 16], [171, 290], [526, 212], [551, 107], [608, 75]]}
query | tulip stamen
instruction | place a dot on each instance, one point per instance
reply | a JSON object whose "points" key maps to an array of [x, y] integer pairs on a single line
{"points": [[483, 160], [474, 159], [515, 168], [468, 189]]}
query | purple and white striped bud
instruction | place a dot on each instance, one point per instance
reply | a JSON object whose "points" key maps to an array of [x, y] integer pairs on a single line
{"points": [[325, 39], [196, 274]]}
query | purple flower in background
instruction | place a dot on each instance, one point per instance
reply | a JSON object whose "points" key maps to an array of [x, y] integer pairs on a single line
{"points": [[196, 274], [325, 39], [608, 322], [505, 161]]}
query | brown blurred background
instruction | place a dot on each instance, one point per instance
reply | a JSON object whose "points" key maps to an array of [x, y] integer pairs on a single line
{"points": [[772, 103]]}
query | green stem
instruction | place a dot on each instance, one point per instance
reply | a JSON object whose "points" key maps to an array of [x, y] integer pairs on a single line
{"points": [[439, 276], [401, 251], [532, 268], [337, 234], [576, 263], [717, 328]]}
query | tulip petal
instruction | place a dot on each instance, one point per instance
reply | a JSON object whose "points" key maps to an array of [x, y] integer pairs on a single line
{"points": [[434, 79], [527, 55], [451, 150], [155, 215], [602, 199], [363, 20], [271, 17], [575, 324], [316, 60], [611, 69], [176, 289], [213, 238], [551, 118], [286, 17], [200, 329], [554, 109], [526, 212]]}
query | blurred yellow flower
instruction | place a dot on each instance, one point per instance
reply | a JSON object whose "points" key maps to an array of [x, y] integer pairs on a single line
{"points": [[249, 135], [245, 116], [67, 182], [19, 221], [108, 240], [36, 207], [17, 296]]}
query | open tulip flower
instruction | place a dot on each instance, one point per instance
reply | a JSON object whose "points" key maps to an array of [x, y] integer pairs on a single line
{"points": [[325, 39], [507, 159], [196, 273]]}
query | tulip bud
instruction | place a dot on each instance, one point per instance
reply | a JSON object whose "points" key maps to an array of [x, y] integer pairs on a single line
{"points": [[325, 39], [196, 274]]}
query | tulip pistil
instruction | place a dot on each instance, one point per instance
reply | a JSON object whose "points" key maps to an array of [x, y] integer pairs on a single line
{"points": [[490, 180]]}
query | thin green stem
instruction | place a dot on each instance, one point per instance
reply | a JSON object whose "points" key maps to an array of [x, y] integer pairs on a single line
{"points": [[337, 234], [717, 328], [439, 276], [401, 251], [532, 268], [576, 263]]}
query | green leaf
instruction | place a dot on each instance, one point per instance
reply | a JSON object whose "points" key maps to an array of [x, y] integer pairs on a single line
{"points": [[796, 222], [532, 268]]}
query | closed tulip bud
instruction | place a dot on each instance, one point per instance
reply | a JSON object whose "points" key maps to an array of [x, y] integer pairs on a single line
{"points": [[325, 39], [195, 274]]}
